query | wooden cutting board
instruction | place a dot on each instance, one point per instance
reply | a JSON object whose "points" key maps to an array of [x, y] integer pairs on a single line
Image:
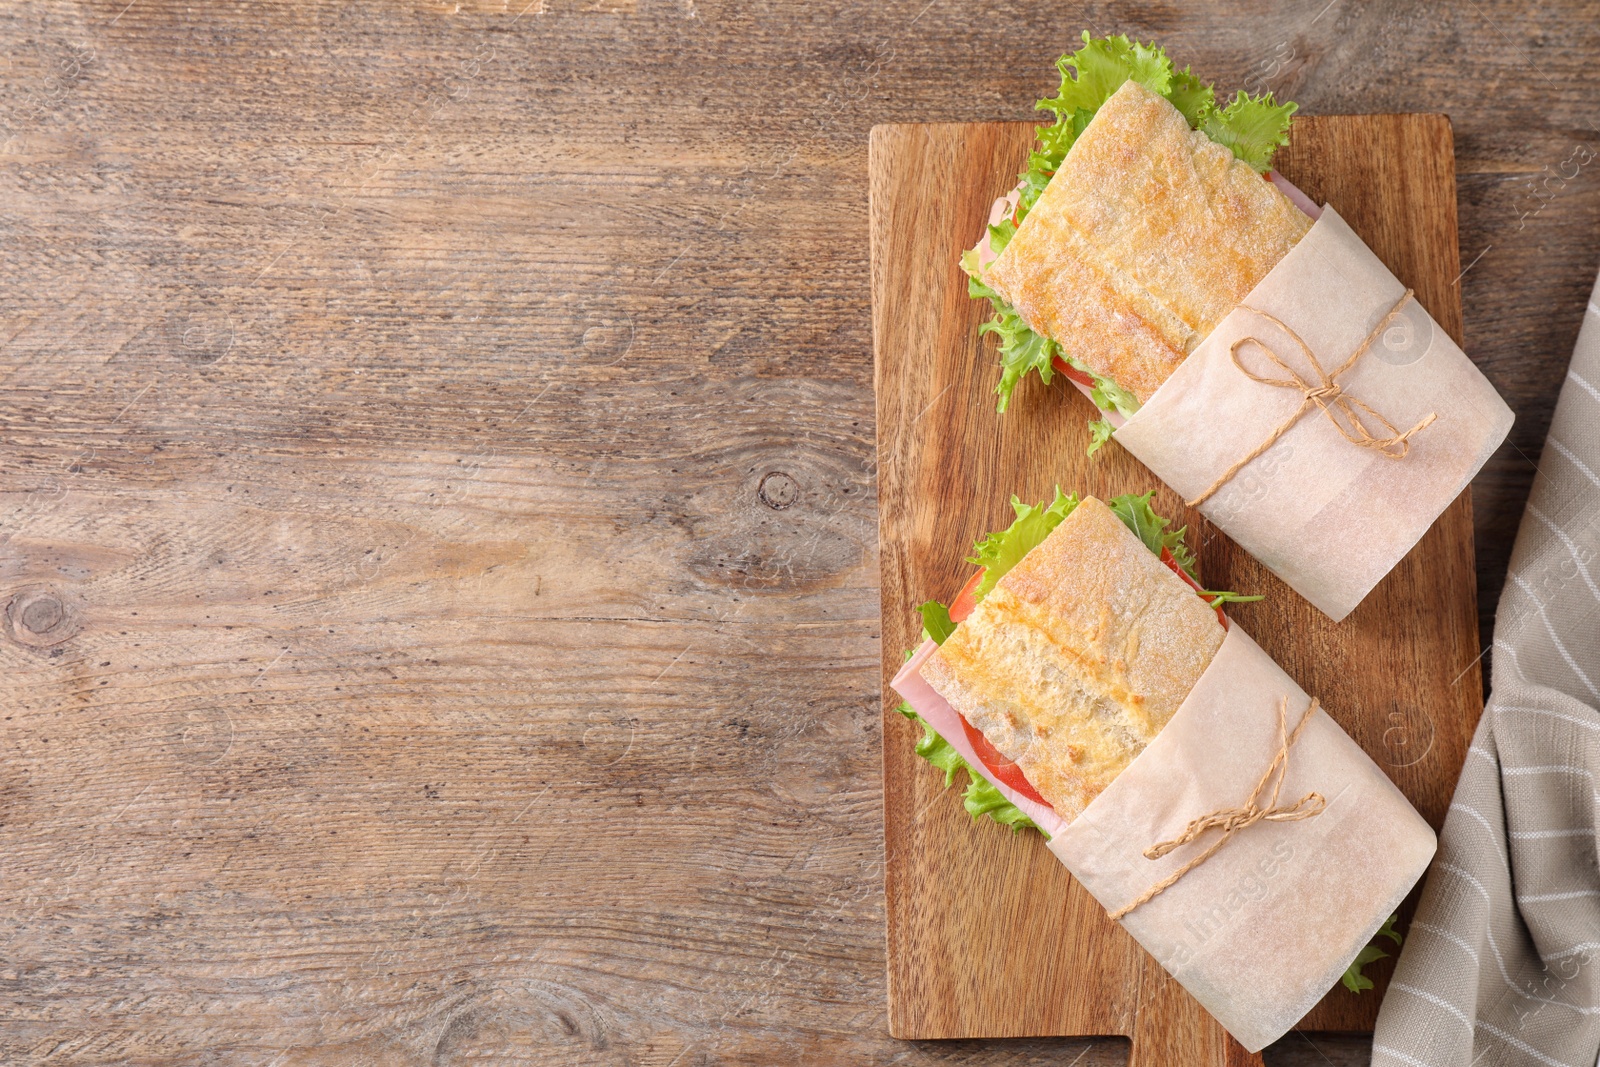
{"points": [[988, 935]]}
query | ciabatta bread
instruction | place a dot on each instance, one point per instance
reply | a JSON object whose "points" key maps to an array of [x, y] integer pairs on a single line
{"points": [[1078, 656], [1147, 236]]}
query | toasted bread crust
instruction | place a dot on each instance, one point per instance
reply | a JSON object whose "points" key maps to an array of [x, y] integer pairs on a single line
{"points": [[1144, 240], [1078, 657]]}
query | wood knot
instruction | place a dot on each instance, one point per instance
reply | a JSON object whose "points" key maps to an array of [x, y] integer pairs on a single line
{"points": [[38, 616], [778, 490]]}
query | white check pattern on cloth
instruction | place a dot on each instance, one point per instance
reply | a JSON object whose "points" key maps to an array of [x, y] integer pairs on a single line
{"points": [[1502, 963]]}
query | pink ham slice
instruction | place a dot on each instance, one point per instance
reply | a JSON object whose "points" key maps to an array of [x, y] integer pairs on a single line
{"points": [[937, 713], [1296, 197], [1001, 208]]}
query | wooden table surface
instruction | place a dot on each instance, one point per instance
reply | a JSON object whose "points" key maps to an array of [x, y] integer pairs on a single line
{"points": [[437, 527]]}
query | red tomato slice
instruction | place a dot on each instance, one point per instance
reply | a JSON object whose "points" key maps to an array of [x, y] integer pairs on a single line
{"points": [[997, 765], [1166, 557], [1063, 367], [967, 599]]}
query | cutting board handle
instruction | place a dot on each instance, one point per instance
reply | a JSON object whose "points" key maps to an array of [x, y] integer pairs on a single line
{"points": [[1171, 1029]]}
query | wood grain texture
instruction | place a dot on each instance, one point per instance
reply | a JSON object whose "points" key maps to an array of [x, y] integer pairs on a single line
{"points": [[413, 370], [1039, 955]]}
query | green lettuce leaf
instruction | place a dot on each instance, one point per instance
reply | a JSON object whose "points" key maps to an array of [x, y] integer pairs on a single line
{"points": [[1192, 97], [1253, 127], [1100, 431], [1219, 598], [1021, 350], [1000, 234], [936, 621], [1109, 396], [935, 749], [1352, 978], [1091, 74], [981, 797], [1000, 551], [1137, 515]]}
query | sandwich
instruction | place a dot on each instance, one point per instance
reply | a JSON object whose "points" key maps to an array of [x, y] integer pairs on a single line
{"points": [[1147, 213], [1243, 344], [1063, 657]]}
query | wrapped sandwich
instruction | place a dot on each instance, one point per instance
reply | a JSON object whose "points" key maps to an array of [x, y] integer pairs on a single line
{"points": [[1093, 690], [1150, 222], [1239, 340]]}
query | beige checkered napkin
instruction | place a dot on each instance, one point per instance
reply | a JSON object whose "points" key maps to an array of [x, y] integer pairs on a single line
{"points": [[1502, 965]]}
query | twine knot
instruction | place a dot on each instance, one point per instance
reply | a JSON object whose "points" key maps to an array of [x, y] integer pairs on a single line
{"points": [[1341, 409], [1229, 821]]}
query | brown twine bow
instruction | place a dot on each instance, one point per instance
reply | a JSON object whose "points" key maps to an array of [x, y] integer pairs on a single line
{"points": [[1229, 821], [1326, 394]]}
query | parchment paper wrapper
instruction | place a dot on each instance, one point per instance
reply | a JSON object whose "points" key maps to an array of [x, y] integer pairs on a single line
{"points": [[1328, 517], [1260, 931]]}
